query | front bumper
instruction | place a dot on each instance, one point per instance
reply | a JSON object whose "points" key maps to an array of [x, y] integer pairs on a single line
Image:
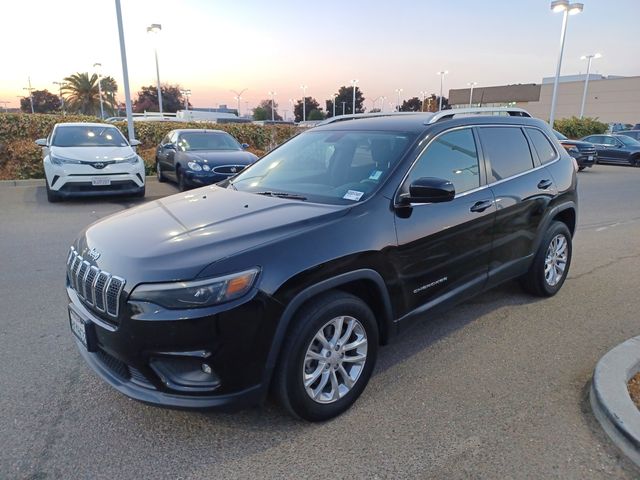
{"points": [[142, 353], [201, 179], [70, 180]]}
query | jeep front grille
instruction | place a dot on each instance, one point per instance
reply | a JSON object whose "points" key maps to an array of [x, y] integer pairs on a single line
{"points": [[98, 288]]}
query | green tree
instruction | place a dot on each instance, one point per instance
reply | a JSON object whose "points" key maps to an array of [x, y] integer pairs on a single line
{"points": [[265, 106], [310, 104], [43, 102], [411, 105], [147, 101], [81, 94], [575, 127], [345, 94], [260, 113], [316, 115]]}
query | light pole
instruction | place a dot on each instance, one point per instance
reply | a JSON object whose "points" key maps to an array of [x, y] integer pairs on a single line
{"points": [[304, 102], [293, 110], [586, 80], [187, 93], [60, 85], [273, 94], [471, 84], [373, 103], [353, 84], [398, 91], [30, 89], [335, 95], [382, 102], [343, 104], [125, 73], [238, 97], [155, 28], [97, 67], [442, 74], [567, 9], [424, 94]]}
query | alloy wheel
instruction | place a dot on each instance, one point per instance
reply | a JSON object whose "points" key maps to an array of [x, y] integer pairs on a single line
{"points": [[555, 261]]}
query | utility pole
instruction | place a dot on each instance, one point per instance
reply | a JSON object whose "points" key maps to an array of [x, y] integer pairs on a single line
{"points": [[30, 89], [238, 97]]}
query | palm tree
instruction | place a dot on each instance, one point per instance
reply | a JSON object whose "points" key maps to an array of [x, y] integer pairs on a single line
{"points": [[81, 93]]}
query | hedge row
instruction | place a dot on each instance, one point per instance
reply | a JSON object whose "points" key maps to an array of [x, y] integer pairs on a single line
{"points": [[21, 158]]}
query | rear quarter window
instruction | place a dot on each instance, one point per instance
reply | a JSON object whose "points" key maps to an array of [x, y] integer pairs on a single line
{"points": [[542, 145], [507, 150]]}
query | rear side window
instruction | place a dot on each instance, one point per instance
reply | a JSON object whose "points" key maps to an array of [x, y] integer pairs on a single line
{"points": [[452, 156], [507, 150], [542, 145]]}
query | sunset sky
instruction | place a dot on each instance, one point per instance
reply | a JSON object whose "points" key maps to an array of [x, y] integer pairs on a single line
{"points": [[214, 46]]}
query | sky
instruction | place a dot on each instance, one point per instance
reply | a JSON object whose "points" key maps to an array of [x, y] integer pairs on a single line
{"points": [[214, 46]]}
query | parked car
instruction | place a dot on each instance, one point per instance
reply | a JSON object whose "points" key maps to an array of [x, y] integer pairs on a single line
{"points": [[584, 152], [194, 157], [90, 159], [618, 149], [635, 134], [288, 277]]}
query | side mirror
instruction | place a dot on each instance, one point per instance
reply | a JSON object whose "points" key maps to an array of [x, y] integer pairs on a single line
{"points": [[245, 146], [169, 146], [42, 142], [429, 190], [135, 143]]}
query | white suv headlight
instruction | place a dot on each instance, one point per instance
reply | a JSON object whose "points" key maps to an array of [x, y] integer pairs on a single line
{"points": [[62, 161]]}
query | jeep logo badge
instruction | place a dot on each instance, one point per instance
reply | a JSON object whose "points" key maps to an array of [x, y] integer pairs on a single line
{"points": [[94, 254]]}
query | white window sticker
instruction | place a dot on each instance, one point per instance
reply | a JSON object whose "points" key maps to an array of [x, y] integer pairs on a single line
{"points": [[353, 195], [375, 175]]}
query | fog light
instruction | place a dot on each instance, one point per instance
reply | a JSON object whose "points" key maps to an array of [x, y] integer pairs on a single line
{"points": [[206, 369]]}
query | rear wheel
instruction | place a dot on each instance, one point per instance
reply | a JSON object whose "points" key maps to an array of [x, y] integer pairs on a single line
{"points": [[52, 196], [328, 357], [635, 161], [551, 263], [159, 172]]}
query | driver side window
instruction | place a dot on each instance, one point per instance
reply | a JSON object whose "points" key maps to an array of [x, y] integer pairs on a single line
{"points": [[452, 156]]}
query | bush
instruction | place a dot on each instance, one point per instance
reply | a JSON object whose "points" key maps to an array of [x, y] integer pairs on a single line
{"points": [[577, 128], [20, 158]]}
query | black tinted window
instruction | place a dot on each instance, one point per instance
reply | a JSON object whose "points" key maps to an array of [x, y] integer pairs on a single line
{"points": [[507, 149], [452, 156], [543, 147], [593, 139]]}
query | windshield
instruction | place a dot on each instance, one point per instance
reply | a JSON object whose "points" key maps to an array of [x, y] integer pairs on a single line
{"points": [[88, 136], [628, 141], [207, 141], [337, 167], [559, 136]]}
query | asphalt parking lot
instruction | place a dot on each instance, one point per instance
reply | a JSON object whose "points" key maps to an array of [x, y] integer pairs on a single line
{"points": [[496, 388]]}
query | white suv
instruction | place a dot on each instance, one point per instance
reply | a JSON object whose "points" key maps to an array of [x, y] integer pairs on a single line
{"points": [[87, 159]]}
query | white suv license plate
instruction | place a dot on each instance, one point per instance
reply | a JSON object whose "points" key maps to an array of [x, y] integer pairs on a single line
{"points": [[98, 181], [78, 327]]}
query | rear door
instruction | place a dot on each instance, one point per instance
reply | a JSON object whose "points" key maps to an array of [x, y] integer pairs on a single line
{"points": [[522, 187]]}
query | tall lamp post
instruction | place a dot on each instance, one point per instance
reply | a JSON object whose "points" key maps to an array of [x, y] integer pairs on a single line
{"points": [[60, 85], [567, 9], [471, 84], [424, 95], [97, 67], [442, 74], [273, 94], [187, 93], [238, 97], [30, 89], [398, 91], [383, 100], [125, 73], [155, 28], [586, 80], [335, 95], [353, 85], [304, 102]]}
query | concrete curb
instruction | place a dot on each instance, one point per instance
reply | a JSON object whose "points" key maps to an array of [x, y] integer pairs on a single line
{"points": [[610, 400], [39, 182]]}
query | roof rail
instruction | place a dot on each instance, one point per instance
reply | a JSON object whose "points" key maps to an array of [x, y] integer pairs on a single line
{"points": [[357, 116], [449, 114]]}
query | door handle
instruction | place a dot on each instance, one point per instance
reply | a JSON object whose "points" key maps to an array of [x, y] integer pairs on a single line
{"points": [[481, 206], [544, 184]]}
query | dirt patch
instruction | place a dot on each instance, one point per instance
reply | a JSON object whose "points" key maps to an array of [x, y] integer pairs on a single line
{"points": [[634, 389]]}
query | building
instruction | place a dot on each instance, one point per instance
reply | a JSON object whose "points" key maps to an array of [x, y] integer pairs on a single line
{"points": [[610, 99]]}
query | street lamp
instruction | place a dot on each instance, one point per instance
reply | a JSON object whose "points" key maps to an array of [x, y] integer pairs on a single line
{"points": [[335, 95], [304, 102], [187, 93], [567, 9], [442, 74], [353, 84], [343, 104], [155, 28], [273, 94], [30, 89], [471, 84], [586, 80], [424, 94], [398, 91], [384, 99], [238, 97], [60, 85], [97, 67]]}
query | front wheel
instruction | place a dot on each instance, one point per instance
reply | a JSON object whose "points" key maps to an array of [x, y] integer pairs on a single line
{"points": [[52, 196], [551, 263], [328, 357], [181, 184], [159, 173]]}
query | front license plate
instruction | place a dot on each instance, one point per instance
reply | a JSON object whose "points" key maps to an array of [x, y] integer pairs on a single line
{"points": [[590, 157], [96, 181], [84, 330]]}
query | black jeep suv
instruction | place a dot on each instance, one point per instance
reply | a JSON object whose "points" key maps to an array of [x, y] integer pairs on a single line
{"points": [[287, 277]]}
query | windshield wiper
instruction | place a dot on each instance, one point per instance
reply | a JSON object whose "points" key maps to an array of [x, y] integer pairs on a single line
{"points": [[291, 196]]}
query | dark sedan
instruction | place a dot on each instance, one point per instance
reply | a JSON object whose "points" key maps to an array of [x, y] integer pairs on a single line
{"points": [[618, 149], [194, 157], [583, 152], [635, 134]]}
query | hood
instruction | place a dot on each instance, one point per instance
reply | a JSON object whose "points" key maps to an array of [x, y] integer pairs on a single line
{"points": [[93, 154], [174, 238], [222, 157]]}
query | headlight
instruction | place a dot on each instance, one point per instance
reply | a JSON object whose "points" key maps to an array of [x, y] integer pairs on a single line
{"points": [[198, 293], [61, 161], [194, 166], [132, 159], [574, 150]]}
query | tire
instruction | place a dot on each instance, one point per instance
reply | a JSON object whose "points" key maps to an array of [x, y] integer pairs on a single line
{"points": [[52, 196], [140, 193], [159, 174], [635, 161], [323, 314], [181, 185], [581, 168], [536, 281]]}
